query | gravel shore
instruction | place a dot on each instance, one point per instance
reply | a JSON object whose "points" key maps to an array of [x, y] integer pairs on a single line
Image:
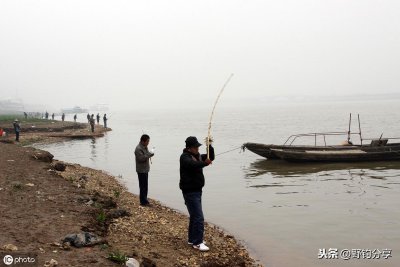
{"points": [[43, 200]]}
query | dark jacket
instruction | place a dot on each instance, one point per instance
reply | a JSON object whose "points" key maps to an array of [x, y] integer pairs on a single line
{"points": [[17, 127], [191, 170], [142, 156]]}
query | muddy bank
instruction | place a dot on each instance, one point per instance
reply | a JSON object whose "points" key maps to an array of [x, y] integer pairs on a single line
{"points": [[41, 205]]}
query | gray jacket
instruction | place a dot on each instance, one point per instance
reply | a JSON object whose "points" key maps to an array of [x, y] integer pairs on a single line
{"points": [[142, 156]]}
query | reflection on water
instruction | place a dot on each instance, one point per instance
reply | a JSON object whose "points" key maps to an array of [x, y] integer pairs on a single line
{"points": [[281, 168], [325, 202], [354, 178], [93, 149]]}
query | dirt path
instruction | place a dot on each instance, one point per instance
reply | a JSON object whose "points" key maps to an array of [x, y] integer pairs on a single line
{"points": [[38, 208]]}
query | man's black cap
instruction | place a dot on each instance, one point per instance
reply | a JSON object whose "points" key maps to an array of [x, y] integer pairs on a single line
{"points": [[191, 141]]}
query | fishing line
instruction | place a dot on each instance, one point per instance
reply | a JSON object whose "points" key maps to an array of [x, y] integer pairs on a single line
{"points": [[229, 150]]}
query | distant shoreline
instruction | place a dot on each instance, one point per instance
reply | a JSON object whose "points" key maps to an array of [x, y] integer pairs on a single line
{"points": [[48, 131]]}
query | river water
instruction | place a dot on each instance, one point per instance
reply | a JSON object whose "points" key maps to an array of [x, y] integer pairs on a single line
{"points": [[285, 213]]}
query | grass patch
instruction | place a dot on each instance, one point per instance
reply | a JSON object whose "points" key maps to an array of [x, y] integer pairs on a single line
{"points": [[11, 118], [117, 193], [118, 257], [101, 217], [17, 186]]}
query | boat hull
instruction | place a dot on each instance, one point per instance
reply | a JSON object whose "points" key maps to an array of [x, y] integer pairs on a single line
{"points": [[388, 153], [267, 150]]}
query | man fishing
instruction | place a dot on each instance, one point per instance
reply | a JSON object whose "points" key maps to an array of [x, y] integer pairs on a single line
{"points": [[191, 183]]}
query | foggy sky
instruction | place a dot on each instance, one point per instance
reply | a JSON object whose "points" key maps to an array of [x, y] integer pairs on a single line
{"points": [[179, 53]]}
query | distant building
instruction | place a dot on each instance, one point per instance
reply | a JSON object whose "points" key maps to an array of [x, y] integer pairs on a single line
{"points": [[11, 106]]}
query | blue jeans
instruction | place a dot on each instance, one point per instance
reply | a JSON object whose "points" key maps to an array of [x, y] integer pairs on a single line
{"points": [[196, 219], [143, 187]]}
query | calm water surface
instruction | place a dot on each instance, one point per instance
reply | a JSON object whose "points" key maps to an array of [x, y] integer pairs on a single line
{"points": [[283, 212]]}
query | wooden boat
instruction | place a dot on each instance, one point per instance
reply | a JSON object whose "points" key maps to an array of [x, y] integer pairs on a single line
{"points": [[362, 153], [379, 149], [268, 150]]}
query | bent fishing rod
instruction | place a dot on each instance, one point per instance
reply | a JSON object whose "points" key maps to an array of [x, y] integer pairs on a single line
{"points": [[212, 115]]}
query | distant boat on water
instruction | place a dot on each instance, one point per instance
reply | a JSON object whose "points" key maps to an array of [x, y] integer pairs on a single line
{"points": [[99, 107], [74, 110]]}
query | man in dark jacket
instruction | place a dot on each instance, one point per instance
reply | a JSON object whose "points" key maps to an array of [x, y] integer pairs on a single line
{"points": [[142, 156], [17, 129], [191, 183], [105, 120]]}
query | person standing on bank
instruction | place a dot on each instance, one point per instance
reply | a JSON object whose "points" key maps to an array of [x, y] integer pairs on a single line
{"points": [[191, 183], [92, 122], [105, 120], [142, 158], [17, 129]]}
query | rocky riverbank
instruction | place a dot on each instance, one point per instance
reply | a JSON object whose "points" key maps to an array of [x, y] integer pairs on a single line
{"points": [[42, 201]]}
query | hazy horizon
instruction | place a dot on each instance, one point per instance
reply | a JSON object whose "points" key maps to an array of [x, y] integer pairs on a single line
{"points": [[173, 54]]}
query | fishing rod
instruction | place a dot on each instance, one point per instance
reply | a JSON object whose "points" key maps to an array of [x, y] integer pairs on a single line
{"points": [[212, 115]]}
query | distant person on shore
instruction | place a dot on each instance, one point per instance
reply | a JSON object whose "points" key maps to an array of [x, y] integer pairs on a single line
{"points": [[88, 118], [63, 117], [75, 117], [46, 115], [191, 183], [17, 129], [142, 158], [98, 118], [92, 122], [105, 120], [26, 115], [52, 116]]}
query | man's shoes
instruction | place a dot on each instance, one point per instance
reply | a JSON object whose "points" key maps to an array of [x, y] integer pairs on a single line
{"points": [[201, 247], [191, 243], [146, 204]]}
